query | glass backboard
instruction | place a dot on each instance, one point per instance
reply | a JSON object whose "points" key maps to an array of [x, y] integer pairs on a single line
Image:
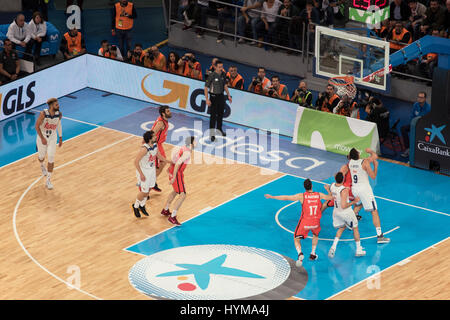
{"points": [[340, 53]]}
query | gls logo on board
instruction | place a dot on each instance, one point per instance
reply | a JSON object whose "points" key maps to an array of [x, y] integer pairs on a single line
{"points": [[180, 91], [17, 99]]}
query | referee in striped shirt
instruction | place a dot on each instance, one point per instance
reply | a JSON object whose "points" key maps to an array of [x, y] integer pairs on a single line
{"points": [[216, 84]]}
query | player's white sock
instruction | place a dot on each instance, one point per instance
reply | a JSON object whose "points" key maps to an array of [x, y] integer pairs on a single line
{"points": [[358, 245], [166, 207], [137, 203], [379, 233], [298, 248], [49, 174], [174, 214], [313, 250], [142, 203], [335, 243]]}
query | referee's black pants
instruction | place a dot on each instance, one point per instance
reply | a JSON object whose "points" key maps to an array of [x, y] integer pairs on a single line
{"points": [[216, 109]]}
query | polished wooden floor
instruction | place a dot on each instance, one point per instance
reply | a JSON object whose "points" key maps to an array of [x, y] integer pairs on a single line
{"points": [[86, 222]]}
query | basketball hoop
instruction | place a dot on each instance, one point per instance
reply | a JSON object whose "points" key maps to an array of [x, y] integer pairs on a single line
{"points": [[344, 86]]}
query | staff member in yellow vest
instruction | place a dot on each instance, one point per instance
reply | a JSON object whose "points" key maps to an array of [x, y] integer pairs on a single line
{"points": [[399, 34], [278, 90], [302, 95], [155, 59], [123, 16], [234, 79], [72, 44]]}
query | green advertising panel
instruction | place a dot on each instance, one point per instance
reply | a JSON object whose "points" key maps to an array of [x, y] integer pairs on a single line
{"points": [[371, 17], [334, 133]]}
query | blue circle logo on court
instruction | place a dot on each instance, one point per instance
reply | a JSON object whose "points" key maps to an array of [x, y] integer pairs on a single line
{"points": [[217, 272]]}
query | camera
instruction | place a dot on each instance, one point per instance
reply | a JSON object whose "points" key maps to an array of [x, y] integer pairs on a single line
{"points": [[271, 91], [189, 59], [113, 48], [151, 55], [257, 81]]}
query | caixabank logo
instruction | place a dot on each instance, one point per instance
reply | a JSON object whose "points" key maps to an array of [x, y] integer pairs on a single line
{"points": [[217, 272], [17, 99], [434, 141]]}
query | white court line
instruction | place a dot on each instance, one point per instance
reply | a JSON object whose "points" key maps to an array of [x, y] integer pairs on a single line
{"points": [[379, 273], [16, 234], [324, 239]]}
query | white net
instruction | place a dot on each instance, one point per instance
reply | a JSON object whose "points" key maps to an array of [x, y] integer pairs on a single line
{"points": [[344, 86]]}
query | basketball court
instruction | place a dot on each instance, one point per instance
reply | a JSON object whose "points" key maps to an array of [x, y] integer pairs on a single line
{"points": [[82, 240]]}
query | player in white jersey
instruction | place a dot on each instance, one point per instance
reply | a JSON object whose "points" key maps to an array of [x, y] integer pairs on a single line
{"points": [[47, 124], [145, 163], [343, 215], [361, 170]]}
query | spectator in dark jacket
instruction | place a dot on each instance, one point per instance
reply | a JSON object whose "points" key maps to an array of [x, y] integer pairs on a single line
{"points": [[287, 9], [446, 31], [435, 18], [399, 11]]}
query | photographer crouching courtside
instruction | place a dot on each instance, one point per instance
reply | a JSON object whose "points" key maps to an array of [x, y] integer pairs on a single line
{"points": [[216, 83], [302, 96]]}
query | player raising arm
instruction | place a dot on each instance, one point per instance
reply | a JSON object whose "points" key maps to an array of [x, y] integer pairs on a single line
{"points": [[309, 219], [361, 170]]}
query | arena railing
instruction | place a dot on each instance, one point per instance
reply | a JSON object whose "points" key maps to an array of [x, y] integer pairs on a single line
{"points": [[306, 51], [237, 9]]}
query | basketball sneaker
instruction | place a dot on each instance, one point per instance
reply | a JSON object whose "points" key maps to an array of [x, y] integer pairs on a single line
{"points": [[313, 257], [136, 211], [165, 212], [173, 220], [331, 252], [358, 217], [142, 209], [360, 252], [49, 185], [383, 239], [299, 261], [156, 188]]}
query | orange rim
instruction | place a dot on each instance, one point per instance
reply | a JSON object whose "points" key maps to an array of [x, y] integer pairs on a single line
{"points": [[347, 80]]}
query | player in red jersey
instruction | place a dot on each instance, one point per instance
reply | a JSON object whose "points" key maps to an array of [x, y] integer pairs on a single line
{"points": [[176, 176], [160, 128], [310, 217]]}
